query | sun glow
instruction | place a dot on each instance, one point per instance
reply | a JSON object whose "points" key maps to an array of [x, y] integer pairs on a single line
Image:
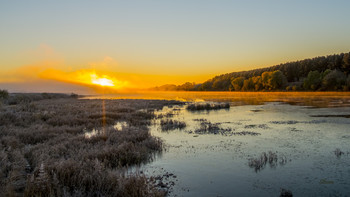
{"points": [[101, 81], [87, 77]]}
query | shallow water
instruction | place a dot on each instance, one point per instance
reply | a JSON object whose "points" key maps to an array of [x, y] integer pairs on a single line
{"points": [[313, 99], [217, 164]]}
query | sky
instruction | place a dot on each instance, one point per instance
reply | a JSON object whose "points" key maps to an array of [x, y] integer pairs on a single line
{"points": [[57, 46]]}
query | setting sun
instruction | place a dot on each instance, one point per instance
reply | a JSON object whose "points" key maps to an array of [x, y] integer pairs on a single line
{"points": [[101, 81], [89, 78]]}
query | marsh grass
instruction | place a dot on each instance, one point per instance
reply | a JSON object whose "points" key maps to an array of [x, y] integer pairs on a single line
{"points": [[286, 193], [289, 122], [18, 98], [252, 133], [44, 151], [169, 124], [270, 158], [338, 152], [254, 126], [207, 106], [207, 127]]}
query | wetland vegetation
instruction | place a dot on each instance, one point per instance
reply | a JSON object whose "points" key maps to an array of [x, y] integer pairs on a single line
{"points": [[58, 145], [44, 151]]}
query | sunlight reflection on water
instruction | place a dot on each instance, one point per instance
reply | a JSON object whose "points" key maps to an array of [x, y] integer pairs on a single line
{"points": [[94, 132], [217, 165], [316, 99], [302, 128], [120, 125]]}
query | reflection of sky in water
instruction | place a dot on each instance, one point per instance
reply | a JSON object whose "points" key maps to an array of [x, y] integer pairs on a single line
{"points": [[118, 126], [93, 132], [216, 165], [318, 99]]}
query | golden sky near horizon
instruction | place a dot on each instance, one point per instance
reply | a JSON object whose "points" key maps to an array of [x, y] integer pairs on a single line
{"points": [[77, 46]]}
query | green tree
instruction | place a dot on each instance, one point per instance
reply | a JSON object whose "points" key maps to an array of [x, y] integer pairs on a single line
{"points": [[257, 83], [324, 73], [4, 94], [346, 63], [335, 80], [221, 84], [313, 80], [186, 86], [277, 80], [237, 83], [265, 78], [347, 88], [206, 86], [248, 85]]}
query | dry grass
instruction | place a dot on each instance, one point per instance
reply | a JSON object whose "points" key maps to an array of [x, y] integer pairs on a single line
{"points": [[44, 151]]}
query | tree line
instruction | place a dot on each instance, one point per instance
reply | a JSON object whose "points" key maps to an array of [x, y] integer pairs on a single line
{"points": [[325, 73]]}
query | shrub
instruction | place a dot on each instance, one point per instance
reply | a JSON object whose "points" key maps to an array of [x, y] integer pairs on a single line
{"points": [[4, 94]]}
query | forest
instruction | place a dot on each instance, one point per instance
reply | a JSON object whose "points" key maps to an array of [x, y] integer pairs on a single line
{"points": [[324, 73]]}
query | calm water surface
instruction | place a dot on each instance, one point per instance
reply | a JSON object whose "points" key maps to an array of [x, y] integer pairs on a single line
{"points": [[304, 130], [319, 99]]}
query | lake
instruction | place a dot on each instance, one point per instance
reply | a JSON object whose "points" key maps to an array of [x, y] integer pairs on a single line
{"points": [[263, 143], [317, 99]]}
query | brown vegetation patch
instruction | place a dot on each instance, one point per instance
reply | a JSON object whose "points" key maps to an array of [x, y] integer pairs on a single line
{"points": [[44, 151]]}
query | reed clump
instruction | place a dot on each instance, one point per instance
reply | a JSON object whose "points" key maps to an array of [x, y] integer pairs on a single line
{"points": [[270, 158], [207, 106], [207, 127], [286, 193], [170, 124], [252, 133], [338, 152]]}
